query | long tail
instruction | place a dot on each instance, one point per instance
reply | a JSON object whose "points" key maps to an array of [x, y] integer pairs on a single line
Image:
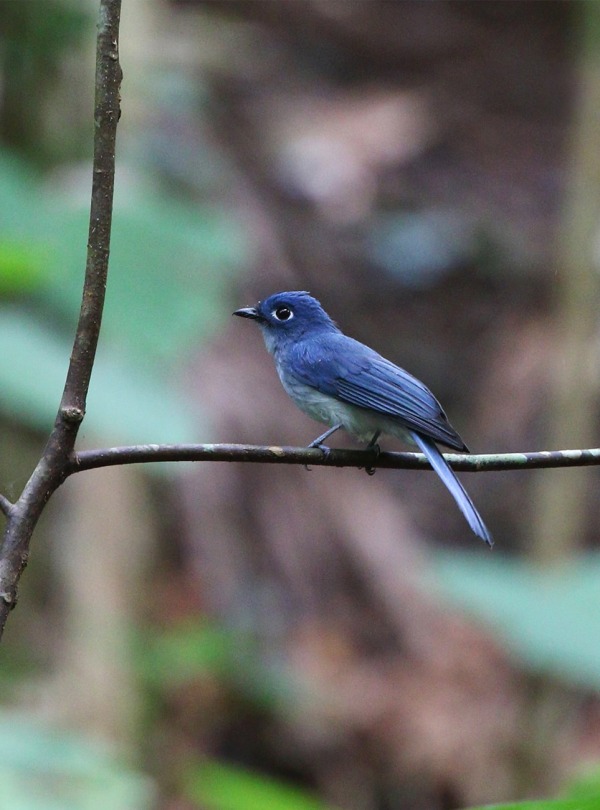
{"points": [[458, 492]]}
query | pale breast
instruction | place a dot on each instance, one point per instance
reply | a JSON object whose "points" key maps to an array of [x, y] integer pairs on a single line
{"points": [[361, 422]]}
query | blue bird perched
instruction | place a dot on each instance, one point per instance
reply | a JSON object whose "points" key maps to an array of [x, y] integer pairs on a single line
{"points": [[342, 383]]}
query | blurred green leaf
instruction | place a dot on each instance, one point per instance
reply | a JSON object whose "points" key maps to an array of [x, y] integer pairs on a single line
{"points": [[549, 619], [591, 803], [581, 793], [187, 651], [125, 402], [171, 267], [584, 785], [35, 37], [217, 786], [170, 272], [42, 768], [198, 648], [24, 216], [21, 268]]}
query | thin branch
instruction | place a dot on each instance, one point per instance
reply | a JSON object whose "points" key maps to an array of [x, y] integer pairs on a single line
{"points": [[106, 116], [5, 505], [53, 467], [146, 453]]}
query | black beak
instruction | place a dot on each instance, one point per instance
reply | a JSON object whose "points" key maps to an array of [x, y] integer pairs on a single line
{"points": [[247, 312]]}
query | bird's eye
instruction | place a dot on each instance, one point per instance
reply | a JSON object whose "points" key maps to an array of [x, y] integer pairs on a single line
{"points": [[283, 313]]}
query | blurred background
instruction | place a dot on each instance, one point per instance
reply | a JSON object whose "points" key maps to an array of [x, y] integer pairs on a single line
{"points": [[233, 637]]}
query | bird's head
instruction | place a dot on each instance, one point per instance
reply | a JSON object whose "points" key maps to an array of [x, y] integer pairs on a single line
{"points": [[287, 316]]}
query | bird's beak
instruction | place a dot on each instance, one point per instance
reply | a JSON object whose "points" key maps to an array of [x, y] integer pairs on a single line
{"points": [[247, 312]]}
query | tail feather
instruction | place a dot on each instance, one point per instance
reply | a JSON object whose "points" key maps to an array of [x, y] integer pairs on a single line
{"points": [[456, 489]]}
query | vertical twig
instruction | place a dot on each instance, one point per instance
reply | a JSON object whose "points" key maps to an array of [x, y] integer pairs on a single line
{"points": [[53, 466], [559, 503], [559, 518]]}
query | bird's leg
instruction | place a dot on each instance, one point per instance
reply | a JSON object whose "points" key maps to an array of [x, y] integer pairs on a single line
{"points": [[318, 442], [373, 443], [376, 451]]}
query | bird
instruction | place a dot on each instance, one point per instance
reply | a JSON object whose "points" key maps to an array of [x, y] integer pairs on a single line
{"points": [[342, 383]]}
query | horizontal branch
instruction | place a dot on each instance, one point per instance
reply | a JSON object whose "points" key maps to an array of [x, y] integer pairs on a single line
{"points": [[146, 453]]}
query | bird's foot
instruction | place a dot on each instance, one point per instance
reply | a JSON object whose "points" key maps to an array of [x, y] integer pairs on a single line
{"points": [[319, 446], [375, 449]]}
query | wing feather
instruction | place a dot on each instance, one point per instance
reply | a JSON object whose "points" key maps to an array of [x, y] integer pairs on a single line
{"points": [[342, 367]]}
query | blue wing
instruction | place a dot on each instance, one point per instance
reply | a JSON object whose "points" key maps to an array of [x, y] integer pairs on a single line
{"points": [[344, 368]]}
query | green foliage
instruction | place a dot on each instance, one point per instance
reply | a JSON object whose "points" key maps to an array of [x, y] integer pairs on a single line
{"points": [[35, 37], [38, 33], [44, 769], [585, 785], [20, 268], [193, 650], [582, 793], [199, 648], [126, 402], [186, 651], [591, 803], [216, 786], [171, 267], [549, 619]]}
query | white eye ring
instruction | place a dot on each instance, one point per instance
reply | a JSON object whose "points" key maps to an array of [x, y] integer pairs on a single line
{"points": [[282, 313]]}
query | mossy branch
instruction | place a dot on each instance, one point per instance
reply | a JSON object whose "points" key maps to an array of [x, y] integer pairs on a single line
{"points": [[274, 454]]}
